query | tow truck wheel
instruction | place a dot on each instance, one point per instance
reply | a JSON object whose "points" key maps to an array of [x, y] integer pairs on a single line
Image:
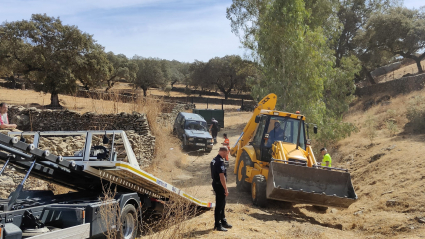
{"points": [[129, 222]]}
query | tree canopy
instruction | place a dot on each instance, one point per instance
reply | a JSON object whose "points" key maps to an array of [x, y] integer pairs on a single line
{"points": [[291, 44], [121, 68], [150, 73], [51, 54], [400, 31]]}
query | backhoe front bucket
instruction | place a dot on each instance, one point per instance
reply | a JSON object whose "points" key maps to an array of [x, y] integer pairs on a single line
{"points": [[305, 185]]}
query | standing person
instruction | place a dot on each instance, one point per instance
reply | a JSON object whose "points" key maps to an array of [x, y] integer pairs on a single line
{"points": [[4, 120], [218, 175], [227, 144], [214, 129], [327, 160]]}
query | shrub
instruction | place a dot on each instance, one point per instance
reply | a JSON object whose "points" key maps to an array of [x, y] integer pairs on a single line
{"points": [[391, 114], [416, 114], [371, 130], [392, 127]]}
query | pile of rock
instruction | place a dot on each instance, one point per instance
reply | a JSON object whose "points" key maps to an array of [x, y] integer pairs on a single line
{"points": [[10, 179], [135, 124]]}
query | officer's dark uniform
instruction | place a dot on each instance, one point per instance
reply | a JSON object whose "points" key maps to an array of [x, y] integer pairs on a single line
{"points": [[217, 167]]}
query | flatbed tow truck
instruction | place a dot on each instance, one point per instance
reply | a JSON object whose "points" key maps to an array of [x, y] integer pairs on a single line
{"points": [[39, 214]]}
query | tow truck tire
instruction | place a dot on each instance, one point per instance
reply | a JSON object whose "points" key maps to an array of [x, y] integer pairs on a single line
{"points": [[129, 222]]}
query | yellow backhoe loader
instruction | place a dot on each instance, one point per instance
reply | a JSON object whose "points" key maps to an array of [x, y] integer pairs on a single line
{"points": [[275, 160]]}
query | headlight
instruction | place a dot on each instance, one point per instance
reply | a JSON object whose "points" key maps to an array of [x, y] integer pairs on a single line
{"points": [[191, 139]]}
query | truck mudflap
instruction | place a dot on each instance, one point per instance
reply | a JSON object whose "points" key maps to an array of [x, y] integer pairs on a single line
{"points": [[308, 185]]}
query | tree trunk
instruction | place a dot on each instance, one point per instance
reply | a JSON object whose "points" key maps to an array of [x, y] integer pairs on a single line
{"points": [[54, 100], [12, 79], [418, 64], [110, 85], [369, 76], [145, 91], [226, 95]]}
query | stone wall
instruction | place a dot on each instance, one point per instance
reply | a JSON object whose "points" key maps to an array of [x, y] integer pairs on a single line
{"points": [[400, 86], [385, 69], [135, 124]]}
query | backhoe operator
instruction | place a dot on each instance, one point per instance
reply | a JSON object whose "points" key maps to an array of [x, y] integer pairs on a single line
{"points": [[275, 134]]}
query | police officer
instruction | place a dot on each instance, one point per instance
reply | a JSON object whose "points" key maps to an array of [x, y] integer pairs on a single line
{"points": [[218, 175]]}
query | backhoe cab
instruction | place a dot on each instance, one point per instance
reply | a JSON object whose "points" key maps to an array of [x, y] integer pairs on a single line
{"points": [[275, 161]]}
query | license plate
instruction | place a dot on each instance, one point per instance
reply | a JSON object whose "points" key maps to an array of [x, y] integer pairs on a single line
{"points": [[199, 144]]}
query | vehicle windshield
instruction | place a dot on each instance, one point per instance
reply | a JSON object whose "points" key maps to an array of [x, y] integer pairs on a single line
{"points": [[286, 130], [196, 125]]}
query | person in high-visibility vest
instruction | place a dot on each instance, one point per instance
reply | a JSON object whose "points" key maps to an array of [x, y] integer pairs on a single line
{"points": [[227, 144], [327, 160]]}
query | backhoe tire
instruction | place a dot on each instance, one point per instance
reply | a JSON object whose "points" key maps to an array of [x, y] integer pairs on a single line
{"points": [[241, 184], [129, 222], [258, 190]]}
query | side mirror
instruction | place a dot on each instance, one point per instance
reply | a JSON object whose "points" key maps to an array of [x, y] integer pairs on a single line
{"points": [[315, 129], [257, 119]]}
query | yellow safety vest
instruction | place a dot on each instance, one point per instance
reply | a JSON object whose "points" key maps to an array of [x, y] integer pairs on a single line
{"points": [[327, 158]]}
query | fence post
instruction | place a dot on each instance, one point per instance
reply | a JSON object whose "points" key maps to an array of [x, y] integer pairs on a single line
{"points": [[207, 103], [242, 104], [222, 104], [192, 99]]}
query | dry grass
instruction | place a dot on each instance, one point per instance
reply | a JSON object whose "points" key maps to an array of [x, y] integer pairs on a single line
{"points": [[173, 222], [110, 214]]}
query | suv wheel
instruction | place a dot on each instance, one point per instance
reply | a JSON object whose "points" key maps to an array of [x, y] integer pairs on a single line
{"points": [[184, 145]]}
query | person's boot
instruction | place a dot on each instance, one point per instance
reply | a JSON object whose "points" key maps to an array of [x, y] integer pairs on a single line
{"points": [[219, 227], [225, 224]]}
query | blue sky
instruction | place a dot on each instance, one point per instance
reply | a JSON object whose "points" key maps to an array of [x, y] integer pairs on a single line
{"points": [[183, 30]]}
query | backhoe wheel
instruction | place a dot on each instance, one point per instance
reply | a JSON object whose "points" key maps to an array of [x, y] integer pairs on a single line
{"points": [[241, 184], [129, 222], [258, 190]]}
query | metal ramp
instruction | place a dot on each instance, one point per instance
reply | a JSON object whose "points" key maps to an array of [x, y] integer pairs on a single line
{"points": [[84, 172]]}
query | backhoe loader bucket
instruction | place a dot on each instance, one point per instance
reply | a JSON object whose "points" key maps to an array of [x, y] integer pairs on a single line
{"points": [[305, 185]]}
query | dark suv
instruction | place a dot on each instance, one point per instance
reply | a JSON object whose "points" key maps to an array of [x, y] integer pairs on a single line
{"points": [[192, 130]]}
